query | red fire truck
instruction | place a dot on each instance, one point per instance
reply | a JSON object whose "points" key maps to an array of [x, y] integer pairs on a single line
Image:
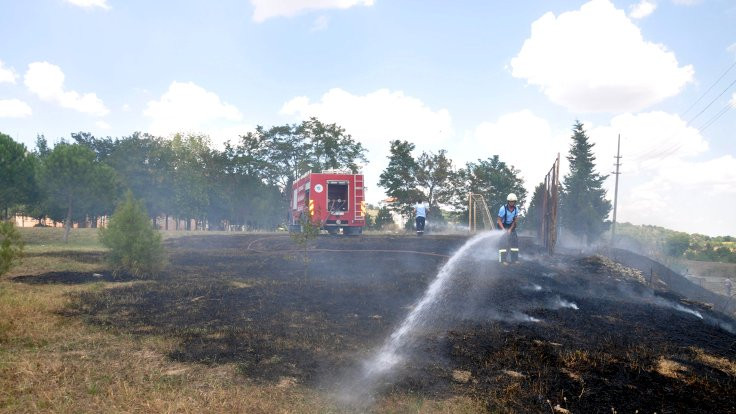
{"points": [[334, 199]]}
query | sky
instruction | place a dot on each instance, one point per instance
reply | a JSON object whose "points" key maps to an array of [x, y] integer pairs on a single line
{"points": [[476, 78]]}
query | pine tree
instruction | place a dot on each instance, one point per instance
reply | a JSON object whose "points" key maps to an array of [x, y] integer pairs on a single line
{"points": [[135, 247], [583, 203]]}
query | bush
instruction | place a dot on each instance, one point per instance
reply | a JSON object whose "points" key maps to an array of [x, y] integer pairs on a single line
{"points": [[11, 246], [135, 247]]}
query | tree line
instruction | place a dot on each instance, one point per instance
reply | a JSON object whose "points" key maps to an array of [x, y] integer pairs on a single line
{"points": [[248, 182], [183, 177]]}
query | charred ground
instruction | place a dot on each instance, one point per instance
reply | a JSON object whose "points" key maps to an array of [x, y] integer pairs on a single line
{"points": [[507, 335]]}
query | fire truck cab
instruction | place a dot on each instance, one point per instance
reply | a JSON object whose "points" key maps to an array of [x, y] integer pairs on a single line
{"points": [[333, 199]]}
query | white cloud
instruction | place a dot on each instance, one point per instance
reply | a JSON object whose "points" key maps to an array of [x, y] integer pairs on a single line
{"points": [[596, 60], [732, 48], [664, 176], [90, 4], [642, 9], [320, 24], [7, 74], [102, 125], [521, 139], [648, 139], [686, 195], [47, 82], [733, 100], [125, 107], [14, 108], [687, 2], [265, 9], [187, 107], [375, 119]]}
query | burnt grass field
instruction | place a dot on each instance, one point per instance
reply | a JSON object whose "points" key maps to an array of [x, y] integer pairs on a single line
{"points": [[578, 333]]}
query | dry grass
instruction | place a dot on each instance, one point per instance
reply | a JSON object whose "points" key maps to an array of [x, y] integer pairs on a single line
{"points": [[670, 368], [55, 363], [726, 365]]}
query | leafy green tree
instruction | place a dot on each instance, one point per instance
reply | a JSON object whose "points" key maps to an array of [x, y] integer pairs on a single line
{"points": [[102, 147], [494, 180], [11, 246], [190, 180], [400, 177], [143, 164], [330, 146], [676, 244], [135, 247], [437, 180], [17, 175], [292, 150], [583, 203], [72, 177]]}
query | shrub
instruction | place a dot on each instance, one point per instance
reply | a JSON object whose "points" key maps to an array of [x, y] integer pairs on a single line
{"points": [[11, 246], [135, 247]]}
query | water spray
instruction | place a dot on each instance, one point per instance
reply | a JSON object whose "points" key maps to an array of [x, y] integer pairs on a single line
{"points": [[389, 355]]}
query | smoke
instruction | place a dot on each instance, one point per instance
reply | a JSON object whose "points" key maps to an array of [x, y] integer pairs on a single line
{"points": [[559, 303], [533, 287], [647, 295], [523, 317]]}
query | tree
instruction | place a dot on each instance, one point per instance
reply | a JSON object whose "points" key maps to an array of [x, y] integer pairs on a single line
{"points": [[329, 146], [437, 180], [676, 244], [17, 175], [135, 247], [144, 166], [72, 177], [583, 203], [383, 218], [494, 180], [292, 150], [400, 177], [191, 156]]}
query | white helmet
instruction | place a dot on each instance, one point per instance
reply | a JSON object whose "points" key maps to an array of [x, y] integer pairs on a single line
{"points": [[511, 197]]}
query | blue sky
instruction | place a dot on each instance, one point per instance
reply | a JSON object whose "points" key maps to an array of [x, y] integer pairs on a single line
{"points": [[476, 78]]}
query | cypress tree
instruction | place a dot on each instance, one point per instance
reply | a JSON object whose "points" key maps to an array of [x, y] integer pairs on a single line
{"points": [[583, 203]]}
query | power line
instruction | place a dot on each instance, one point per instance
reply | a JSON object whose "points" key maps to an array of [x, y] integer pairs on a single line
{"points": [[711, 87], [715, 118], [714, 99], [656, 152]]}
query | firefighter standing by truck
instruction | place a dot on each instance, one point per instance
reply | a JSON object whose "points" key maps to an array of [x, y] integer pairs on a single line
{"points": [[506, 221]]}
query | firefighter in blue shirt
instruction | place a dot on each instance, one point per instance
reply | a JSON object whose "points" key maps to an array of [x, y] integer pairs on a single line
{"points": [[506, 221]]}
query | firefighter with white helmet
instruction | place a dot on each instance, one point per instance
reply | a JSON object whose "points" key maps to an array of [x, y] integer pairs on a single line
{"points": [[506, 221]]}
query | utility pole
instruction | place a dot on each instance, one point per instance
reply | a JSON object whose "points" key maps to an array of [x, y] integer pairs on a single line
{"points": [[615, 192]]}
